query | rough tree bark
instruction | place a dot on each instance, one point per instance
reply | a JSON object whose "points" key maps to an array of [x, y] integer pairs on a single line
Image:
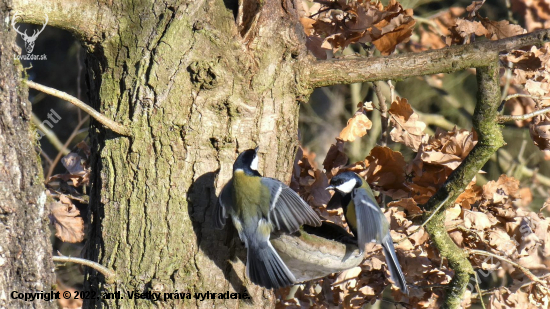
{"points": [[25, 249], [195, 90]]}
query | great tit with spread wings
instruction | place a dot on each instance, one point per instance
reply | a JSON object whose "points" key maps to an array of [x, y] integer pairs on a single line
{"points": [[365, 219], [258, 206]]}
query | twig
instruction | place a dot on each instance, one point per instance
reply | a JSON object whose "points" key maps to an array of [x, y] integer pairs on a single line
{"points": [[505, 161], [436, 120], [392, 91], [525, 271], [508, 79], [67, 143], [479, 291], [493, 290], [430, 22], [427, 220], [50, 135], [522, 95], [377, 86], [506, 118], [113, 126], [109, 274], [45, 155]]}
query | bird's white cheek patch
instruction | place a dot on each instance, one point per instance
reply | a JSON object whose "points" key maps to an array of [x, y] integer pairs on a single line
{"points": [[347, 186], [254, 164]]}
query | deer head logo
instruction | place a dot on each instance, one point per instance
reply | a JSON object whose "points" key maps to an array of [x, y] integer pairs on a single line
{"points": [[29, 40]]}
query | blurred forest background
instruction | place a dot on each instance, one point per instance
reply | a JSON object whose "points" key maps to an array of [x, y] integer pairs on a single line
{"points": [[443, 101]]}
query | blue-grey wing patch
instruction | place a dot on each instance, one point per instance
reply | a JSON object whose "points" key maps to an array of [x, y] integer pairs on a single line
{"points": [[287, 211], [372, 225], [225, 200]]}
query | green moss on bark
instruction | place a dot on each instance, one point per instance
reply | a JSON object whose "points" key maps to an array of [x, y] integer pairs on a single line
{"points": [[489, 141]]}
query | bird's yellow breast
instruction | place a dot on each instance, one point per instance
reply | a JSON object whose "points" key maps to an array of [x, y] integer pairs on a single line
{"points": [[251, 198], [351, 218]]}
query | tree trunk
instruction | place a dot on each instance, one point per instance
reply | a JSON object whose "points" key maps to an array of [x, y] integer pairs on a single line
{"points": [[25, 249], [195, 89]]}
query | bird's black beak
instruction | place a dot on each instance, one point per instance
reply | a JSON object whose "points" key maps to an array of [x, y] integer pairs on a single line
{"points": [[329, 188], [256, 149]]}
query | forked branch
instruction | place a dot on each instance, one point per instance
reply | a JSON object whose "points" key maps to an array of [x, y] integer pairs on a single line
{"points": [[489, 141]]}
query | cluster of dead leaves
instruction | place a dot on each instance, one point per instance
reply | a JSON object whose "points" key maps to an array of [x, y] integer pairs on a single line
{"points": [[449, 28], [492, 218], [531, 78], [467, 28], [502, 224], [62, 188], [333, 25], [536, 13]]}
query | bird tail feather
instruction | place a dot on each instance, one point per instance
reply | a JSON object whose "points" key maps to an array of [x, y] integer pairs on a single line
{"points": [[264, 267], [396, 273]]}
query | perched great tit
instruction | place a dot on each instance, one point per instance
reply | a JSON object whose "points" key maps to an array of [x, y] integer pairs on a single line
{"points": [[259, 205], [365, 219]]}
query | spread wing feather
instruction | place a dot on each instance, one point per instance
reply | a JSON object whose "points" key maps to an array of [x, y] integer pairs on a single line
{"points": [[287, 210]]}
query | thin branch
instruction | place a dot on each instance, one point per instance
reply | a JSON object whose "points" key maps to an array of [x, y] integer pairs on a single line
{"points": [[113, 126], [45, 156], [109, 274], [50, 135], [436, 120], [494, 290], [506, 118], [392, 91], [521, 95], [508, 79], [377, 86], [479, 291], [428, 21], [524, 270], [67, 143], [396, 67], [505, 161]]}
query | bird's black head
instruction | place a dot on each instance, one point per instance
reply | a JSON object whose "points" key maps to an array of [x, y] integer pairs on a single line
{"points": [[345, 182], [247, 161]]}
